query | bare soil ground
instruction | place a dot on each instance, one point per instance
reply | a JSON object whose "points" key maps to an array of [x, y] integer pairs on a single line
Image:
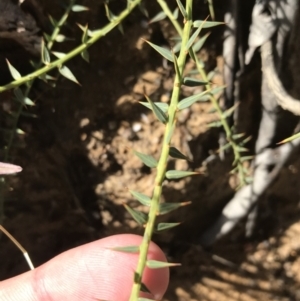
{"points": [[78, 166]]}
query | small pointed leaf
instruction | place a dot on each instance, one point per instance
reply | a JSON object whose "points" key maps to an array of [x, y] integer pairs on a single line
{"points": [[155, 264], [163, 106], [7, 168], [165, 208], [66, 72], [85, 36], [45, 54], [175, 153], [13, 71], [199, 44], [85, 55], [214, 124], [142, 198], [143, 9], [192, 82], [206, 24], [230, 111], [177, 47], [182, 9], [121, 29], [60, 38], [127, 249], [59, 55], [19, 95], [29, 102], [289, 139], [146, 159], [238, 136], [178, 174], [193, 38], [160, 115], [160, 16], [166, 226], [20, 132], [188, 101], [166, 53], [175, 13], [53, 21], [139, 217], [246, 158], [79, 8], [145, 289]]}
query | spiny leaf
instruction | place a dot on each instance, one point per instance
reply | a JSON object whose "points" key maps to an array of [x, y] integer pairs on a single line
{"points": [[192, 82], [79, 8], [230, 111], [175, 153], [155, 264], [160, 16], [289, 139], [163, 106], [7, 168], [139, 217], [207, 24], [175, 13], [166, 53], [177, 47], [182, 9], [13, 71], [241, 149], [28, 102], [66, 72], [121, 29], [160, 115], [127, 249], [198, 45], [19, 95], [110, 16], [193, 38], [59, 55], [224, 147], [85, 36], [53, 21], [20, 132], [145, 289], [45, 53], [178, 174], [143, 9], [188, 101], [214, 124], [166, 226], [30, 115], [246, 158], [142, 198], [60, 38], [238, 136], [146, 159], [165, 208], [216, 90], [85, 55]]}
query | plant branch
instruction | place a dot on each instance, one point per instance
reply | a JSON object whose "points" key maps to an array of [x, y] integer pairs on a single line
{"points": [[162, 163]]}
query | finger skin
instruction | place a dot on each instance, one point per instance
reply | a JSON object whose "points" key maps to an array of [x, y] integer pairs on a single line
{"points": [[88, 273]]}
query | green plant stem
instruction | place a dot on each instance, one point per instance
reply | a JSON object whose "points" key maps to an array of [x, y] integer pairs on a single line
{"points": [[59, 62], [29, 84], [170, 15], [162, 163], [214, 101], [60, 23]]}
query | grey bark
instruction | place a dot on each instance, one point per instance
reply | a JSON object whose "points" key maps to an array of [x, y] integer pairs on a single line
{"points": [[271, 22]]}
